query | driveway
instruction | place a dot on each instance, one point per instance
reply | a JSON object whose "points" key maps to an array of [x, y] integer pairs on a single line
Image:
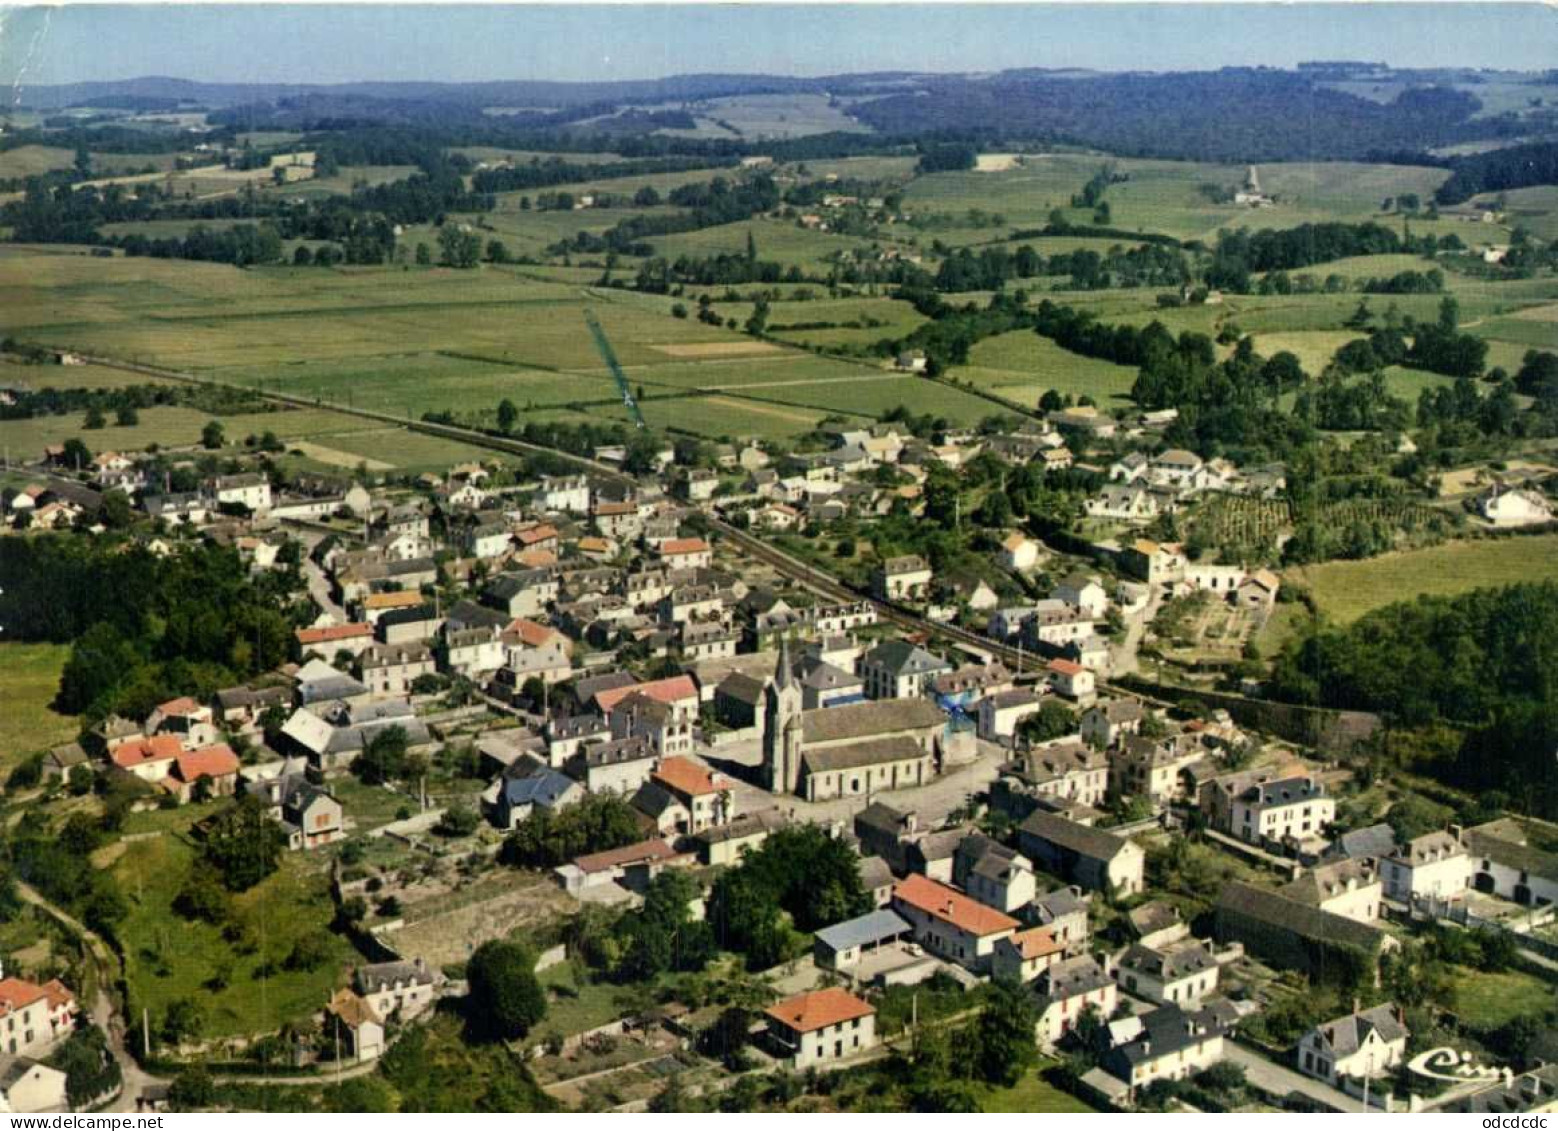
{"points": [[1277, 1080]]}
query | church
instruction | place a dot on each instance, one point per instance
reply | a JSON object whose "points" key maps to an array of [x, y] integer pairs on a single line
{"points": [[858, 749]]}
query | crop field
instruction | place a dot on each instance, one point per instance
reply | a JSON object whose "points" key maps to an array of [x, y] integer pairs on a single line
{"points": [[408, 342], [1022, 365], [1347, 590]]}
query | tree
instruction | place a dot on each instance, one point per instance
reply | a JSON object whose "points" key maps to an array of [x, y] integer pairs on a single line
{"points": [[212, 436], [1052, 720], [457, 820], [384, 758], [508, 415], [758, 321], [94, 418], [192, 1089], [423, 255], [1004, 1034], [505, 1000], [244, 844], [497, 252], [184, 1020], [458, 248], [126, 416]]}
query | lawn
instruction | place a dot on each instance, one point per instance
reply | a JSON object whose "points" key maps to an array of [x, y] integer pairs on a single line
{"points": [[29, 678], [242, 985], [1486, 1000], [1033, 1093], [574, 1008], [1347, 590]]}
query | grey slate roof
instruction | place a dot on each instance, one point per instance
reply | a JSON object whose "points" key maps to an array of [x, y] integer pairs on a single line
{"points": [[1346, 1034], [1095, 844], [545, 788], [871, 752], [902, 658], [869, 720]]}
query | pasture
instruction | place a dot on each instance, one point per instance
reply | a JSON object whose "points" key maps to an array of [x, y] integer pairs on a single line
{"points": [[244, 985]]}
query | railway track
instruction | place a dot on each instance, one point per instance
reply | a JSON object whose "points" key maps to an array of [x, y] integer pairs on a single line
{"points": [[470, 436]]}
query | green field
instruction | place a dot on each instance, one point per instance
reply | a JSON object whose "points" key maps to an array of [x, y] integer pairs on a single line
{"points": [[1347, 590], [1032, 1093], [1021, 366], [168, 958], [30, 674], [1486, 1000]]}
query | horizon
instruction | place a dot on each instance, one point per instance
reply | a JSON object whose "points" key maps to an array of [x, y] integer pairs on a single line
{"points": [[455, 44]]}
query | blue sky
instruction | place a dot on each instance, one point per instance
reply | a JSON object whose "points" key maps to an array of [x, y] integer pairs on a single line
{"points": [[335, 43]]}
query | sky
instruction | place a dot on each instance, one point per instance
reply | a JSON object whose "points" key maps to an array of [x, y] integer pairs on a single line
{"points": [[327, 43]]}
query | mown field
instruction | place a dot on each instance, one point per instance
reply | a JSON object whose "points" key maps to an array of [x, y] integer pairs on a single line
{"points": [[30, 674], [1347, 590], [1022, 366]]}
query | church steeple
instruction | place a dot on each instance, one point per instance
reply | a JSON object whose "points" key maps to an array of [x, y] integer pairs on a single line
{"points": [[782, 703]]}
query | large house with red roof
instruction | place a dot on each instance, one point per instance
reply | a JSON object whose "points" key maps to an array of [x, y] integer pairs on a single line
{"points": [[686, 553], [679, 692], [32, 1017], [951, 924], [707, 797], [821, 1027], [161, 760]]}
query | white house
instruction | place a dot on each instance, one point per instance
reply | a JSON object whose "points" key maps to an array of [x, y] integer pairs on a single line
{"points": [[821, 1027], [1357, 1046], [1435, 865]]}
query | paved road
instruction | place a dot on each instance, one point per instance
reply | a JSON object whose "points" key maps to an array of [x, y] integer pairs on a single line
{"points": [[1123, 659], [319, 590], [1269, 1076]]}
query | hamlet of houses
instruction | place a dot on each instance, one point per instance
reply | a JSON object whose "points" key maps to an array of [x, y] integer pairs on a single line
{"points": [[588, 635]]}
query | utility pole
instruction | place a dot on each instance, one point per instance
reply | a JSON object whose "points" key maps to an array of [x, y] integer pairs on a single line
{"points": [[145, 1033]]}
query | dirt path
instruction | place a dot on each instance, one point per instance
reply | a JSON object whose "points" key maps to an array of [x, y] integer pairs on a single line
{"points": [[101, 1008]]}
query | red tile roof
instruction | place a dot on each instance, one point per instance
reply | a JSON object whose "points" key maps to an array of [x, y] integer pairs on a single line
{"points": [[537, 534], [952, 906], [176, 708], [806, 1013], [330, 632], [18, 993], [672, 690], [642, 852], [209, 761], [1065, 667], [529, 633], [1036, 942], [684, 776], [138, 751], [683, 546]]}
